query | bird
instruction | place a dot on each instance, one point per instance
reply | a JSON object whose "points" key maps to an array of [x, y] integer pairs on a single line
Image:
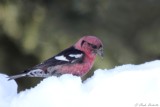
{"points": [[77, 60]]}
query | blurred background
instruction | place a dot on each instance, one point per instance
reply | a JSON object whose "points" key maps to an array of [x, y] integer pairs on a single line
{"points": [[34, 30]]}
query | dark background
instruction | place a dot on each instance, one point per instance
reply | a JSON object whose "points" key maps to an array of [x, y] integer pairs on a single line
{"points": [[34, 30]]}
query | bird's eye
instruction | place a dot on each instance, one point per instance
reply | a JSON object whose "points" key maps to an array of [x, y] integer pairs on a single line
{"points": [[94, 46]]}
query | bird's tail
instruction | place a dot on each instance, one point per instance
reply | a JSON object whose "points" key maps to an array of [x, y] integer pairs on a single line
{"points": [[16, 76]]}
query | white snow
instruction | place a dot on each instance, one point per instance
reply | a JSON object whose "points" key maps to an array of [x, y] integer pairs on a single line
{"points": [[124, 86], [61, 58], [8, 90], [76, 55]]}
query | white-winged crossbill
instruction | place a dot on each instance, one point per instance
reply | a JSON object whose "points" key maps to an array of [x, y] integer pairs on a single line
{"points": [[77, 60]]}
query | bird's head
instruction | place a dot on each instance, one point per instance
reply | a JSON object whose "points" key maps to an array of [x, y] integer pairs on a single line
{"points": [[91, 45]]}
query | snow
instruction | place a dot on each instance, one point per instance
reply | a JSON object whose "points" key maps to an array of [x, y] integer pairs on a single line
{"points": [[124, 86], [8, 89]]}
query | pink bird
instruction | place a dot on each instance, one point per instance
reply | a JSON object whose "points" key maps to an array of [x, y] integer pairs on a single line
{"points": [[76, 60]]}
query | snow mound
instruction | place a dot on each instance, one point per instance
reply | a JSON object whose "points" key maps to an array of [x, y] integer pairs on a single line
{"points": [[124, 86], [8, 89]]}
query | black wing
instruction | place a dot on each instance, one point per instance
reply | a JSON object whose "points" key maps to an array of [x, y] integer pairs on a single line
{"points": [[71, 55]]}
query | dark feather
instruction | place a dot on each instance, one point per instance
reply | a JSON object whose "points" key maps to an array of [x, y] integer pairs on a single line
{"points": [[53, 62]]}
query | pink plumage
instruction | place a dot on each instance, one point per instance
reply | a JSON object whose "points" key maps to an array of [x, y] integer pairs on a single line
{"points": [[77, 60]]}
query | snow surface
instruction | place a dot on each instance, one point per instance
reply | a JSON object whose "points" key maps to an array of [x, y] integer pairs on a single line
{"points": [[8, 90], [124, 86]]}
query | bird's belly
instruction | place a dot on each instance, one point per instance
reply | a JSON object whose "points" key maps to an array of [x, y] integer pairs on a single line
{"points": [[76, 69]]}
